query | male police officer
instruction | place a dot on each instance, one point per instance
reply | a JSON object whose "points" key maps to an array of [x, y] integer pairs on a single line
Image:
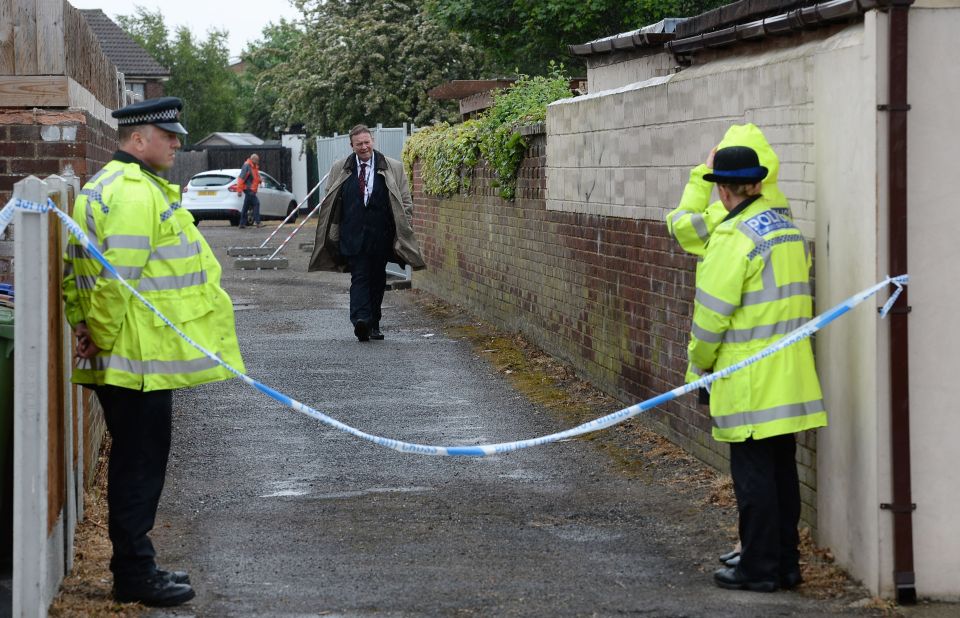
{"points": [[126, 354], [753, 287]]}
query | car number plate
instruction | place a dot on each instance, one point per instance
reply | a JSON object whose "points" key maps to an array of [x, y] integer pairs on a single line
{"points": [[208, 193]]}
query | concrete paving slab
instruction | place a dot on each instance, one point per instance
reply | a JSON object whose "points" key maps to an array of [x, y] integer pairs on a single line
{"points": [[258, 263], [247, 251]]}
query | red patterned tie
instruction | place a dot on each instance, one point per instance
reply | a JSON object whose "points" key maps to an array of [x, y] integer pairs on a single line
{"points": [[363, 183]]}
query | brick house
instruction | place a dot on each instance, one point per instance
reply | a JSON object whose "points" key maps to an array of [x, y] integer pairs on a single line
{"points": [[142, 74]]}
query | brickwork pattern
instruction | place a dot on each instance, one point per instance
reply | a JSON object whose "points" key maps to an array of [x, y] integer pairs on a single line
{"points": [[627, 152], [611, 296], [44, 142]]}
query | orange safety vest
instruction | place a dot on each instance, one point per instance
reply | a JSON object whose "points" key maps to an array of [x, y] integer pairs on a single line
{"points": [[254, 183]]}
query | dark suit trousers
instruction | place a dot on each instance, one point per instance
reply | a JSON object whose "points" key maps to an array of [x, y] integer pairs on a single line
{"points": [[768, 497], [140, 429], [368, 280]]}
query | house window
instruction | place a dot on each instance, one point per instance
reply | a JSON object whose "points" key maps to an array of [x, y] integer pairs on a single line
{"points": [[138, 89]]}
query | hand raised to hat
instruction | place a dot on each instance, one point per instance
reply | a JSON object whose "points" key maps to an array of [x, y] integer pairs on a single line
{"points": [[709, 161]]}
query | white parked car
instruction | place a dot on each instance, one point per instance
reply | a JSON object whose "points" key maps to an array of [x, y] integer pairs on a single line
{"points": [[214, 195]]}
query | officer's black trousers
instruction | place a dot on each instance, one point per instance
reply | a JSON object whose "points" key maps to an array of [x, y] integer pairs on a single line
{"points": [[368, 280], [768, 497], [140, 426]]}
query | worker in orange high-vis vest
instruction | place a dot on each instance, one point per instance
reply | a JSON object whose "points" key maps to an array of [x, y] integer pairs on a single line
{"points": [[248, 182]]}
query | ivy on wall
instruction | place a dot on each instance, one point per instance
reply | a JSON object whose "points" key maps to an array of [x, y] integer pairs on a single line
{"points": [[448, 153]]}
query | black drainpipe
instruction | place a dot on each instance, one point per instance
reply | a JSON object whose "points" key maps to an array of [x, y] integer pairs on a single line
{"points": [[897, 107]]}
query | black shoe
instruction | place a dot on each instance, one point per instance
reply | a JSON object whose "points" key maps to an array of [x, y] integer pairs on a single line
{"points": [[177, 577], [155, 591], [242, 227], [733, 579], [361, 330], [730, 555], [733, 562], [375, 333], [791, 579]]}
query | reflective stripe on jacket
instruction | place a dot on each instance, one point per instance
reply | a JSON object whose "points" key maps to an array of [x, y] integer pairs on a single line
{"points": [[692, 222], [753, 287], [134, 218]]}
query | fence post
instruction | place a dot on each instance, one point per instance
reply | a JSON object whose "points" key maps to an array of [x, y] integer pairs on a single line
{"points": [[30, 405], [61, 189]]}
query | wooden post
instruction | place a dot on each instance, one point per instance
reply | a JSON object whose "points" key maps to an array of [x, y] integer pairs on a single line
{"points": [[60, 189]]}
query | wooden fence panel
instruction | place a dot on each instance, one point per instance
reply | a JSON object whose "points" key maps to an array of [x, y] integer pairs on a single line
{"points": [[50, 48], [85, 61], [25, 37], [8, 64]]}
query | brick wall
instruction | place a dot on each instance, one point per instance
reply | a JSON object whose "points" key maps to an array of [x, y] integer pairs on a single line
{"points": [[40, 143], [611, 296], [44, 142], [627, 151]]}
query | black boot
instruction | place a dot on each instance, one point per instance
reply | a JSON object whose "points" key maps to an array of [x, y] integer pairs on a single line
{"points": [[177, 577], [733, 579], [156, 591], [361, 330]]}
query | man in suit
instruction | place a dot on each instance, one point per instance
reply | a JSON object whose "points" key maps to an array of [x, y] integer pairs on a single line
{"points": [[365, 221]]}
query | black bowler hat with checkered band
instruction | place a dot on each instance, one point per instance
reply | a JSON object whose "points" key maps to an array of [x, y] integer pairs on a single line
{"points": [[163, 112]]}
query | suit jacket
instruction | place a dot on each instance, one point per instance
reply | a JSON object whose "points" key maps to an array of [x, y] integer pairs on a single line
{"points": [[404, 248]]}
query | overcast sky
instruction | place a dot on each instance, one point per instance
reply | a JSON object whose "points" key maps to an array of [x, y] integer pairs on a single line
{"points": [[203, 15]]}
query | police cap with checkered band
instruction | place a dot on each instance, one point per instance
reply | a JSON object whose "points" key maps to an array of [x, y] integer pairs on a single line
{"points": [[162, 112]]}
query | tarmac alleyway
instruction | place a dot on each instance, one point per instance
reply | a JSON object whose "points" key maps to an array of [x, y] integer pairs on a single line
{"points": [[274, 513]]}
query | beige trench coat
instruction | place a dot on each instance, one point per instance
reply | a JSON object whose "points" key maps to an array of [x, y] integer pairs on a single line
{"points": [[406, 250]]}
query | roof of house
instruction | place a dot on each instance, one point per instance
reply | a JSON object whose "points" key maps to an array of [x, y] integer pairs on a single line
{"points": [[131, 59], [230, 139]]}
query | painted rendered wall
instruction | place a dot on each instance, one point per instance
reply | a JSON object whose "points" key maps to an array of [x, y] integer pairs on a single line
{"points": [[934, 151], [627, 152], [618, 70], [846, 150], [852, 203]]}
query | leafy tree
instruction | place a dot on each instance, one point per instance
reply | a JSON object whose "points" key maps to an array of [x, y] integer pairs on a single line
{"points": [[527, 34], [265, 62], [198, 71], [368, 61]]}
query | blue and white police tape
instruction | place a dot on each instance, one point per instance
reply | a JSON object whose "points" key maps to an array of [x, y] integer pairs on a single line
{"points": [[483, 450]]}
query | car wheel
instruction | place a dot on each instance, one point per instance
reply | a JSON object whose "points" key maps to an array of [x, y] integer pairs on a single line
{"points": [[235, 220], [292, 207]]}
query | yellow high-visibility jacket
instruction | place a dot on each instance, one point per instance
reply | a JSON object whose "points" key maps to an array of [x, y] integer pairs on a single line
{"points": [[134, 218], [753, 287], [692, 222]]}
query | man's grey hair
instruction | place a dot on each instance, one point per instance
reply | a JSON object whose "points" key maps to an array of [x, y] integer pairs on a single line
{"points": [[357, 130]]}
